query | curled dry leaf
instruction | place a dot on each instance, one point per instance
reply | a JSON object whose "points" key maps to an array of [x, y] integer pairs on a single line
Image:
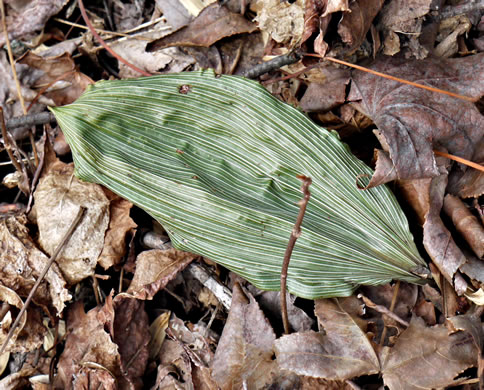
{"points": [[466, 223], [155, 268], [244, 353], [343, 352], [405, 17], [355, 24], [27, 17], [21, 263], [10, 297], [58, 197], [49, 69], [107, 345], [89, 351], [187, 354], [284, 22], [427, 358], [120, 226], [211, 25], [413, 122]]}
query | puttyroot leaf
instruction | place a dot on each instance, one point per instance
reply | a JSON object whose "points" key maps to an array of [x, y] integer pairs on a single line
{"points": [[215, 160]]}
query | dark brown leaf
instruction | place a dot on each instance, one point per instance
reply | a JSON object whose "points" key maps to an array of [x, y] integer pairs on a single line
{"points": [[120, 226], [89, 351], [413, 122], [64, 90], [211, 25], [343, 352], [355, 24], [466, 223], [427, 358], [322, 97]]}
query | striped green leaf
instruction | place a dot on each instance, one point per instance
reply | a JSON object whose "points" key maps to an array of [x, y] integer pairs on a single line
{"points": [[215, 160]]}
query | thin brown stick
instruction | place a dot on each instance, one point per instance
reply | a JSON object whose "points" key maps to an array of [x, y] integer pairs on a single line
{"points": [[104, 44], [295, 234], [392, 307], [61, 245], [472, 164], [6, 142], [387, 76], [10, 57]]}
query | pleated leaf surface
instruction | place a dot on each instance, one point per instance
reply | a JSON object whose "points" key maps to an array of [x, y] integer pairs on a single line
{"points": [[215, 160]]}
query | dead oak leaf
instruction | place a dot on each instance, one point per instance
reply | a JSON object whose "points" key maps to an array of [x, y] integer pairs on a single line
{"points": [[427, 358], [211, 25], [343, 352], [413, 122]]}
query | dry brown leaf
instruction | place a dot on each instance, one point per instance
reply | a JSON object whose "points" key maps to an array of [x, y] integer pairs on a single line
{"points": [[120, 226], [58, 197], [438, 241], [270, 303], [108, 346], [469, 184], [404, 17], [355, 24], [427, 358], [343, 352], [129, 328], [211, 25], [21, 263], [89, 351], [187, 355], [243, 355], [24, 18], [466, 223], [63, 91], [322, 97], [413, 122], [155, 268]]}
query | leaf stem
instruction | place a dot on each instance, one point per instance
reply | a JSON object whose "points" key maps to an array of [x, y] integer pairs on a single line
{"points": [[296, 232]]}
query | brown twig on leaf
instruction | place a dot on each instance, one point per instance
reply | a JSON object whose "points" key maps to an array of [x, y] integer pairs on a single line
{"points": [[389, 77], [461, 160], [56, 253], [296, 232], [104, 44]]}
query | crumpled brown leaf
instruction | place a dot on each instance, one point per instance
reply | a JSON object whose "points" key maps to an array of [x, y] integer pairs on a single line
{"points": [[212, 24], [355, 24], [466, 223], [21, 262], [24, 18], [245, 348], [120, 226], [405, 17], [413, 122], [187, 355], [65, 90], [58, 197], [427, 358], [343, 352], [107, 347], [155, 268]]}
